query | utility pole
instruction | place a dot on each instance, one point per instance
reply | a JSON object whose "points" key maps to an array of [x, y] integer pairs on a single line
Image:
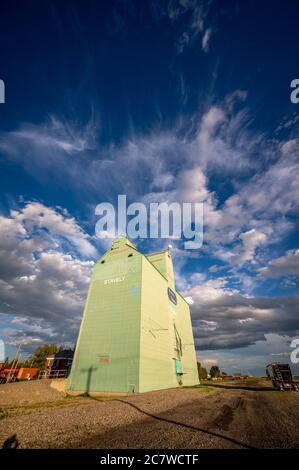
{"points": [[14, 363]]}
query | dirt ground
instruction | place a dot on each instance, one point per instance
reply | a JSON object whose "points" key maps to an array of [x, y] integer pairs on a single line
{"points": [[225, 415]]}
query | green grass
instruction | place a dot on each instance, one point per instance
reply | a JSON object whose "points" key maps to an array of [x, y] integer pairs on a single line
{"points": [[3, 413], [87, 395]]}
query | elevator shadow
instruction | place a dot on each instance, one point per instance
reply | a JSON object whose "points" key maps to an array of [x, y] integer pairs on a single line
{"points": [[88, 379], [188, 426]]}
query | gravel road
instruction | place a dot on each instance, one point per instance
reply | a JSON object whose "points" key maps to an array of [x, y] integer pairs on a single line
{"points": [[209, 417]]}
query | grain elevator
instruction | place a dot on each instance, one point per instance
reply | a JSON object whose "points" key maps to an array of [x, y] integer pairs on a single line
{"points": [[136, 333]]}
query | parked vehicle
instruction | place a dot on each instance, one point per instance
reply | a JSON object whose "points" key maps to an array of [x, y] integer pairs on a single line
{"points": [[2, 377], [281, 376]]}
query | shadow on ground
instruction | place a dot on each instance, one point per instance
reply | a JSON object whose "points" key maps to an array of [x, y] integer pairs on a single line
{"points": [[194, 428], [11, 442]]}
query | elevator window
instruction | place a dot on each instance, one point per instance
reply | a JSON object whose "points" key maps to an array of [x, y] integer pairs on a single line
{"points": [[172, 296]]}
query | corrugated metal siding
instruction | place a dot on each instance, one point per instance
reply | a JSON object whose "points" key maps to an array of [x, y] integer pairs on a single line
{"points": [[110, 327], [157, 368], [130, 328], [188, 359]]}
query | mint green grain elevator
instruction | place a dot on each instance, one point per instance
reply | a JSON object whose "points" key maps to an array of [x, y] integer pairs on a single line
{"points": [[136, 333]]}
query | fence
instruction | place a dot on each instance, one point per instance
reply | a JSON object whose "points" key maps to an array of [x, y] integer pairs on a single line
{"points": [[53, 374]]}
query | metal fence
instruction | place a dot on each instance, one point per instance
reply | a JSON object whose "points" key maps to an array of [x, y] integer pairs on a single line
{"points": [[53, 374]]}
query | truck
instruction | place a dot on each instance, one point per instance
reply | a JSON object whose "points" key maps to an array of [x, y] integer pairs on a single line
{"points": [[281, 376]]}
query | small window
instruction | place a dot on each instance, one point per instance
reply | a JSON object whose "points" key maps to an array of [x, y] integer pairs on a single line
{"points": [[172, 296], [102, 262], [131, 254]]}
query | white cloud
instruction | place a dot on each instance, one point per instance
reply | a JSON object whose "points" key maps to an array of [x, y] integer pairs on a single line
{"points": [[42, 288], [205, 43], [284, 265], [192, 16], [250, 360], [250, 240], [55, 135], [175, 165], [224, 318], [37, 216], [208, 362]]}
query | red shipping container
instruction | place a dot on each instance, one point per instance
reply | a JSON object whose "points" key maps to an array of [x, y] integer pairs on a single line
{"points": [[27, 373]]}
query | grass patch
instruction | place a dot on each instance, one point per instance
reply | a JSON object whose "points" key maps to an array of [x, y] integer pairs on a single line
{"points": [[97, 398], [19, 410], [3, 413], [81, 395], [201, 388], [103, 398]]}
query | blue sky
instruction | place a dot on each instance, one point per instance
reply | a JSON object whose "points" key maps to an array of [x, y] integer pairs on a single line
{"points": [[159, 100]]}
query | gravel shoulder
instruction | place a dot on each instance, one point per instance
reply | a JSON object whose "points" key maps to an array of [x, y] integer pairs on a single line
{"points": [[205, 417]]}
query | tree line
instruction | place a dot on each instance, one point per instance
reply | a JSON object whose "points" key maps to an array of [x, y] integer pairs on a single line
{"points": [[203, 373], [38, 358]]}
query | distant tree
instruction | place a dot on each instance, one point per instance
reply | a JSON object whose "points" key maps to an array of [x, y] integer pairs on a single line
{"points": [[5, 362], [38, 359], [8, 363], [25, 363], [202, 372], [214, 372]]}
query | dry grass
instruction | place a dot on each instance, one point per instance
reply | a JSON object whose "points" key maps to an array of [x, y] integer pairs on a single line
{"points": [[19, 410]]}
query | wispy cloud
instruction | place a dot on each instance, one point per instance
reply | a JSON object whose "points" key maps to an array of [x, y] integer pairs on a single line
{"points": [[190, 17], [163, 165], [205, 43], [168, 165]]}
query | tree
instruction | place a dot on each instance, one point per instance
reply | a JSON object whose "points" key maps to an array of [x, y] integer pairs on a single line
{"points": [[38, 359], [215, 372], [5, 362], [202, 372]]}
